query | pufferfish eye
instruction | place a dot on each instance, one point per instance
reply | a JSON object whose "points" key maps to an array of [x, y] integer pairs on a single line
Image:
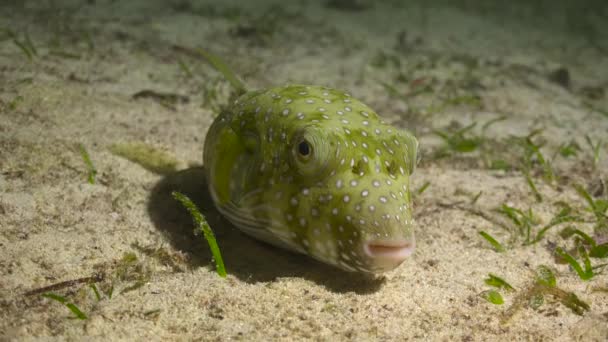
{"points": [[304, 149], [310, 154]]}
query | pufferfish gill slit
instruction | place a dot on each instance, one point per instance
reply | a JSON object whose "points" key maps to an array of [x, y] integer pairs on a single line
{"points": [[315, 171]]}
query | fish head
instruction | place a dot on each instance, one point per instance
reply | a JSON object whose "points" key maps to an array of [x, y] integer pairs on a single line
{"points": [[353, 189]]}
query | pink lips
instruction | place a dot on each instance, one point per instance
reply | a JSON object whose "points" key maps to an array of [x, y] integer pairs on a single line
{"points": [[395, 251]]}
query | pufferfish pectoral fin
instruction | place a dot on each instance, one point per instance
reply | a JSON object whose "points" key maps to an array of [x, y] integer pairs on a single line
{"points": [[230, 155], [410, 144], [223, 146]]}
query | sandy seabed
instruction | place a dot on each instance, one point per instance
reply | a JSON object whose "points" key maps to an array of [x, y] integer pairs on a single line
{"points": [[542, 66]]}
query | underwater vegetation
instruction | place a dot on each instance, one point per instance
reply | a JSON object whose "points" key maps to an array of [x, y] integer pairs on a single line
{"points": [[204, 227]]}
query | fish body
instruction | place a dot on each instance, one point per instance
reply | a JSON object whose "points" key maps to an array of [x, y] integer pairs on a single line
{"points": [[315, 171]]}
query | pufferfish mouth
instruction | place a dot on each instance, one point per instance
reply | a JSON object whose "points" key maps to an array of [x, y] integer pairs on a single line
{"points": [[395, 251]]}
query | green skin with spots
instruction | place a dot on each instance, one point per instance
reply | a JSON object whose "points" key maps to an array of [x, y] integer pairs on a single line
{"points": [[315, 171]]}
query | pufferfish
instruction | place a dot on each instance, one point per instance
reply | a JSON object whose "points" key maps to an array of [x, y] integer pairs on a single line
{"points": [[315, 171]]}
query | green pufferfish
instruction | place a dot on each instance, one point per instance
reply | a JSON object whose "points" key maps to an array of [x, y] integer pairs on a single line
{"points": [[313, 170]]}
